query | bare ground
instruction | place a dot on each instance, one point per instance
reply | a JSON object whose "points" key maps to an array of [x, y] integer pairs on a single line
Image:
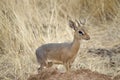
{"points": [[82, 74]]}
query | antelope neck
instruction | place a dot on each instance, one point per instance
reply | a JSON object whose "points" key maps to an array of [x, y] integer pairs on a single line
{"points": [[75, 45]]}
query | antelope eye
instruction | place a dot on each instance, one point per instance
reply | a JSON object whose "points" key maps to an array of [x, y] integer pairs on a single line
{"points": [[80, 32]]}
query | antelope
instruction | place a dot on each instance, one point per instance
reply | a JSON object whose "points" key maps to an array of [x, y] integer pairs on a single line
{"points": [[62, 53]]}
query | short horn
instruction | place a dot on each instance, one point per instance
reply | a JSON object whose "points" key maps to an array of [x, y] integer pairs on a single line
{"points": [[83, 22], [78, 22]]}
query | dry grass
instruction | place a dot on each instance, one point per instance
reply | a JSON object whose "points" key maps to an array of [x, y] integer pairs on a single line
{"points": [[27, 24]]}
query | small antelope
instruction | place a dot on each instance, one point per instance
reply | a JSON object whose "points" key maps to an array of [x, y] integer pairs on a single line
{"points": [[61, 53]]}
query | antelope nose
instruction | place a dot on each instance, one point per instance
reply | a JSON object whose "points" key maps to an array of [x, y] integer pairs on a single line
{"points": [[88, 38]]}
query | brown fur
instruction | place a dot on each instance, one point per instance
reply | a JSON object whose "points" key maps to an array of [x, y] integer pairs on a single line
{"points": [[63, 53]]}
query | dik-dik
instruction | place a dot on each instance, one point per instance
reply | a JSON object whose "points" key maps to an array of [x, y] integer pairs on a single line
{"points": [[62, 53]]}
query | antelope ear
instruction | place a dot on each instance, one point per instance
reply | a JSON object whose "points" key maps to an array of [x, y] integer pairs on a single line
{"points": [[72, 25]]}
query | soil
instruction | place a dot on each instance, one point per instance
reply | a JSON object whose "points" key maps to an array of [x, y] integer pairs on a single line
{"points": [[82, 74]]}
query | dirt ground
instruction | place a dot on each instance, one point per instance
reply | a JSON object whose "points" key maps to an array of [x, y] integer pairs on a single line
{"points": [[82, 74]]}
